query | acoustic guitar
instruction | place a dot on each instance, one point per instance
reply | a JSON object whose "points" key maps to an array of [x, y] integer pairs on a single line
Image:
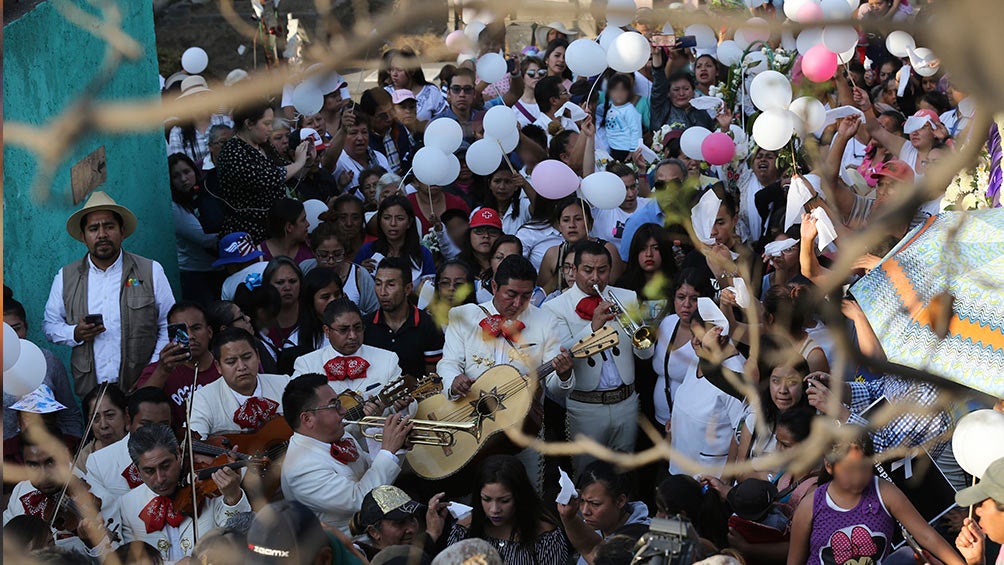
{"points": [[499, 399], [395, 390]]}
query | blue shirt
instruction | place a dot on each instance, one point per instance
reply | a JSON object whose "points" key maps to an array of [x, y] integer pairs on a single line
{"points": [[648, 214]]}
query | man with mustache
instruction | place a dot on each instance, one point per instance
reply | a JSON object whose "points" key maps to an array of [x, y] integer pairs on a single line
{"points": [[108, 294]]}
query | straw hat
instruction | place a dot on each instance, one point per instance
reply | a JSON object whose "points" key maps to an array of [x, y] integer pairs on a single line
{"points": [[97, 202], [559, 27], [193, 85]]}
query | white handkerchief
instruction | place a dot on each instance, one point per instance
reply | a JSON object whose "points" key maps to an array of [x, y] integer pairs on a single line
{"points": [[575, 113], [841, 112], [706, 102], [703, 216], [853, 178], [459, 511], [426, 293], [567, 491], [774, 248], [741, 291], [914, 123], [799, 193], [649, 155], [827, 233], [904, 80], [712, 314]]}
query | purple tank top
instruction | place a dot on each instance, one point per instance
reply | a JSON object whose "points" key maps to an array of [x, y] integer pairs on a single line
{"points": [[859, 536]]}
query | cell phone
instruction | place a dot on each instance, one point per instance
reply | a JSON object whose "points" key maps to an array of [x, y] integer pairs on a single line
{"points": [[663, 40], [96, 319], [510, 66], [686, 41], [178, 333]]}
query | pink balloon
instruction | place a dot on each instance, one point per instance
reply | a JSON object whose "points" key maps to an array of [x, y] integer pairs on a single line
{"points": [[819, 64], [809, 12], [554, 179], [718, 148], [456, 40]]}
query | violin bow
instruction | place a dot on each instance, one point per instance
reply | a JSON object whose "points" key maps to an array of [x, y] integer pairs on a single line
{"points": [[191, 455], [73, 463]]}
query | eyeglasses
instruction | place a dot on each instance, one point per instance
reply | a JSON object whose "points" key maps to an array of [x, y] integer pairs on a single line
{"points": [[564, 94], [447, 283], [483, 230], [329, 255], [239, 317], [457, 89], [333, 405], [539, 73]]}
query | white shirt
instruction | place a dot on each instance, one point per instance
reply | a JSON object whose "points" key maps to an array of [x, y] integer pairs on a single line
{"points": [[104, 473], [511, 225], [531, 108], [704, 424], [346, 163], [682, 361], [214, 405], [103, 291], [233, 281], [609, 224], [537, 240], [957, 120]]}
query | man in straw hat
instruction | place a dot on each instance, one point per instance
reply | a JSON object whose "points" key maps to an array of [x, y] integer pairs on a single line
{"points": [[110, 306]]}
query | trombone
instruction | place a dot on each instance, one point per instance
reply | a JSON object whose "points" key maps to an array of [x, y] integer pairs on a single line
{"points": [[424, 432], [641, 335]]}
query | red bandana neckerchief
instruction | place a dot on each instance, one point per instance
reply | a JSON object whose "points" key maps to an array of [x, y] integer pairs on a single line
{"points": [[254, 413], [35, 503], [159, 512], [131, 475], [495, 325], [344, 450], [342, 368], [586, 307]]}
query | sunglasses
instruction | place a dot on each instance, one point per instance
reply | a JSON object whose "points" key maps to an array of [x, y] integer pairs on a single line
{"points": [[539, 73], [457, 89]]}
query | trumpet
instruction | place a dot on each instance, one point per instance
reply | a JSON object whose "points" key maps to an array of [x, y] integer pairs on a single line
{"points": [[424, 432], [641, 335]]}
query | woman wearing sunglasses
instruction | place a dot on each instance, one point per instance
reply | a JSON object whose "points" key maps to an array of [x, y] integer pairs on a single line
{"points": [[526, 108]]}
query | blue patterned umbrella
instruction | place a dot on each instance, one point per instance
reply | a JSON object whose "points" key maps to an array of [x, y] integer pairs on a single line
{"points": [[961, 253]]}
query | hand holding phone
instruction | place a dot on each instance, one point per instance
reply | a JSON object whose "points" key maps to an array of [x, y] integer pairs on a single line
{"points": [[663, 40], [178, 333], [686, 42], [89, 327]]}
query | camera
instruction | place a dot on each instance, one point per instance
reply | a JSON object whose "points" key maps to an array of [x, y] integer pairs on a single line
{"points": [[669, 541]]}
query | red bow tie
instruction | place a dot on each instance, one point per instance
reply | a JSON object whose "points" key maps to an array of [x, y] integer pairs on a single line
{"points": [[254, 413], [344, 450], [586, 307], [158, 512], [495, 325], [131, 475], [35, 503], [342, 368]]}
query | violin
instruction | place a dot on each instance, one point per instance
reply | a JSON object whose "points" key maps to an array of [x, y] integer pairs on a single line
{"points": [[202, 485], [77, 504]]}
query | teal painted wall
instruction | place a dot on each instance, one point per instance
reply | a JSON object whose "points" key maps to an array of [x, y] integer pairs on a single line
{"points": [[47, 63]]}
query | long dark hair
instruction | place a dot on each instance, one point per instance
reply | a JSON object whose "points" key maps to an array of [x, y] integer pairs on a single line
{"points": [[184, 199], [618, 79], [682, 494], [312, 283], [273, 267], [493, 203], [507, 471], [554, 44], [634, 275], [774, 354], [471, 297], [283, 212], [499, 242], [410, 248]]}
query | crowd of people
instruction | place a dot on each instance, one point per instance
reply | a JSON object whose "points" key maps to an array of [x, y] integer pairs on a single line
{"points": [[317, 273]]}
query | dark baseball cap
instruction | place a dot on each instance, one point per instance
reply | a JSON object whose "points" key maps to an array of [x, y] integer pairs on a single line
{"points": [[385, 502], [752, 499], [285, 532]]}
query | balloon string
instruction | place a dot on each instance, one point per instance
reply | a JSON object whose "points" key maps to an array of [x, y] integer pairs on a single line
{"points": [[506, 157], [971, 507]]}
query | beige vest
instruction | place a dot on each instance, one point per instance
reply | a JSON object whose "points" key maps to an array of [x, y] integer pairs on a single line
{"points": [[140, 320]]}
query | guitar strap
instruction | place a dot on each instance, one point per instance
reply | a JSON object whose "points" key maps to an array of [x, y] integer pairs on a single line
{"points": [[665, 364]]}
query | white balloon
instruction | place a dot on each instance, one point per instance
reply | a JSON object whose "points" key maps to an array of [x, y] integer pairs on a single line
{"points": [[788, 40], [740, 38], [973, 444], [499, 122], [491, 67], [607, 37], [451, 172], [836, 9], [924, 61], [703, 34], [629, 52], [620, 12], [429, 164], [772, 129], [484, 157], [604, 190], [756, 63], [27, 372], [194, 60], [307, 98], [791, 8], [585, 57], [473, 30], [798, 128], [808, 39], [899, 42], [691, 140], [729, 53], [810, 111], [847, 56], [770, 89], [756, 33], [446, 135], [840, 38], [509, 143], [11, 346]]}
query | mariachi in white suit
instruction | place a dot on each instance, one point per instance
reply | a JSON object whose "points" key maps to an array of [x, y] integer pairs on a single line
{"points": [[469, 350], [604, 405], [111, 473], [383, 368], [217, 408], [173, 542]]}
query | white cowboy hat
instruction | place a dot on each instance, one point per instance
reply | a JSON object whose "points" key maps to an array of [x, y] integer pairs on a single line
{"points": [[97, 202], [542, 31]]}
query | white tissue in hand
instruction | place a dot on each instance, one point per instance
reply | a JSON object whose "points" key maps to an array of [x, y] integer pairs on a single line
{"points": [[827, 233], [775, 248], [841, 112], [567, 491], [741, 291], [711, 314], [703, 216], [799, 193], [575, 113], [706, 102], [459, 511]]}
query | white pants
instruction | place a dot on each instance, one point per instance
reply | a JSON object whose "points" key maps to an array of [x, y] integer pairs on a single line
{"points": [[612, 425]]}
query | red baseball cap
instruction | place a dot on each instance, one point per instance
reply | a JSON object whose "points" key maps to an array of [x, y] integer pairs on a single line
{"points": [[895, 169], [486, 217]]}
